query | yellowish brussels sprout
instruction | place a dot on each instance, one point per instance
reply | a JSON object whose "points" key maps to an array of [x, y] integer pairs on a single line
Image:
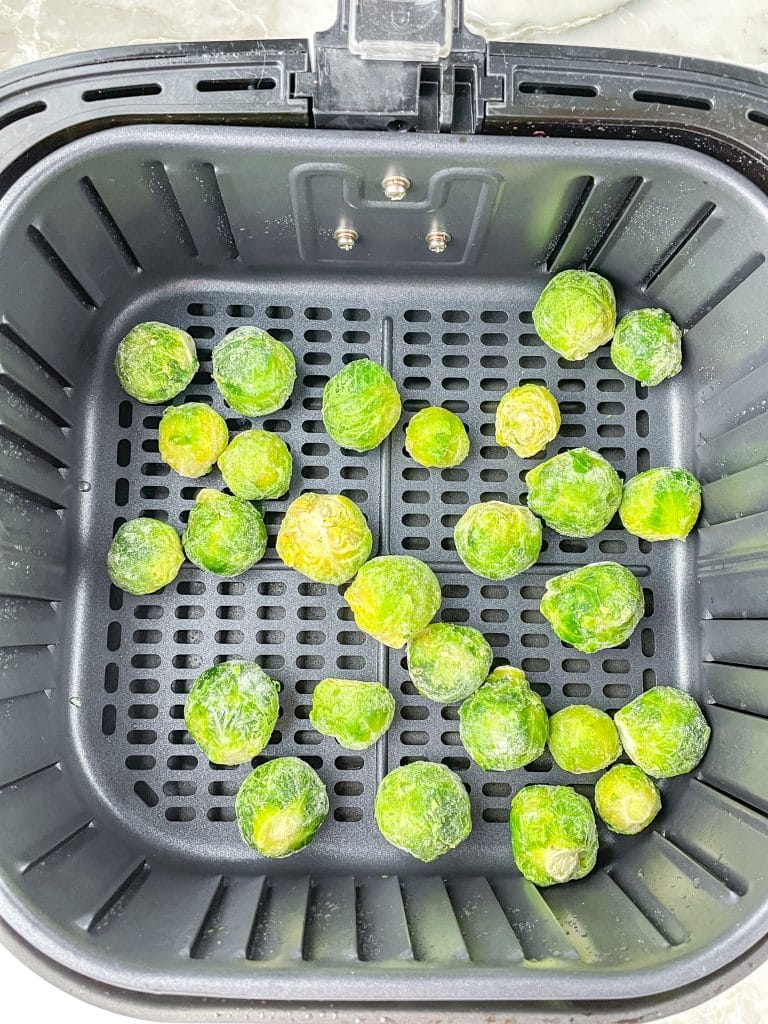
{"points": [[325, 537], [647, 346], [594, 607], [361, 405], [554, 836], [661, 504], [576, 313], [191, 437], [583, 739], [497, 540], [280, 806], [626, 799], [576, 492], [256, 465], [527, 419], [663, 732], [224, 535], [155, 362], [504, 724], [393, 598], [145, 555], [355, 713], [254, 371], [448, 662], [437, 438]]}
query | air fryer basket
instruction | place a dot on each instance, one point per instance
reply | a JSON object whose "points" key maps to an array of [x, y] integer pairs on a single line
{"points": [[119, 855]]}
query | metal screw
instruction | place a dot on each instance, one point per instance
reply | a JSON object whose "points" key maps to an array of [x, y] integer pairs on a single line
{"points": [[345, 238], [437, 241], [395, 187]]}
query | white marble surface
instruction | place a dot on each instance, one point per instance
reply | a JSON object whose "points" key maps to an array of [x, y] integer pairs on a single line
{"points": [[734, 31]]}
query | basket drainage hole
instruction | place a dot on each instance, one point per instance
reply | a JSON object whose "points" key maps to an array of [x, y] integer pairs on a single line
{"points": [[146, 794]]}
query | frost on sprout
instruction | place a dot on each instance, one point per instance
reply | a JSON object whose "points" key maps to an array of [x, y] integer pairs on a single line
{"points": [[254, 372], [661, 504], [504, 724], [436, 437], [447, 662], [583, 739], [554, 836], [527, 419], [355, 713], [594, 607], [224, 535], [576, 313], [191, 437], [626, 799], [663, 731], [423, 808], [647, 346], [144, 556], [497, 540], [393, 598], [256, 465], [576, 492], [155, 362], [325, 537], [361, 405], [280, 806], [231, 711]]}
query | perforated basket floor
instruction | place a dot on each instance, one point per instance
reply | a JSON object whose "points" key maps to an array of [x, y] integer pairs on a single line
{"points": [[119, 850]]}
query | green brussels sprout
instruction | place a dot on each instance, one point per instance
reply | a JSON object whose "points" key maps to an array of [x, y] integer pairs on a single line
{"points": [[231, 711], [576, 313], [661, 504], [663, 731], [437, 437], [497, 540], [255, 372], [361, 405], [583, 739], [155, 362], [324, 537], [280, 806], [448, 662], [145, 555], [504, 724], [626, 799], [576, 492], [647, 346], [393, 598], [554, 835], [423, 808], [191, 437], [224, 535], [356, 714], [594, 607], [256, 465], [527, 419]]}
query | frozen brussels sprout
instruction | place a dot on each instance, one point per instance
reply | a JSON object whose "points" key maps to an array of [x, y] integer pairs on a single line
{"points": [[504, 724], [497, 540], [145, 555], [191, 437], [356, 714], [576, 492], [280, 806], [393, 598], [576, 313], [423, 808], [661, 504], [626, 799], [583, 739], [448, 662], [361, 405], [224, 535], [527, 419], [647, 346], [256, 465], [231, 711], [663, 731], [255, 372], [325, 537], [436, 437], [554, 836], [594, 607], [155, 362]]}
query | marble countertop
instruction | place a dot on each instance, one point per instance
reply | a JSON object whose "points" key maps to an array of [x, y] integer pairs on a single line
{"points": [[735, 31]]}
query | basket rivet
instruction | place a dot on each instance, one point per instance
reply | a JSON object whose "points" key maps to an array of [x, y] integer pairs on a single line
{"points": [[345, 238], [395, 187], [437, 241]]}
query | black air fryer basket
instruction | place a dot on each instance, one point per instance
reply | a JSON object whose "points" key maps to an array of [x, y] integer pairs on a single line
{"points": [[203, 185]]}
